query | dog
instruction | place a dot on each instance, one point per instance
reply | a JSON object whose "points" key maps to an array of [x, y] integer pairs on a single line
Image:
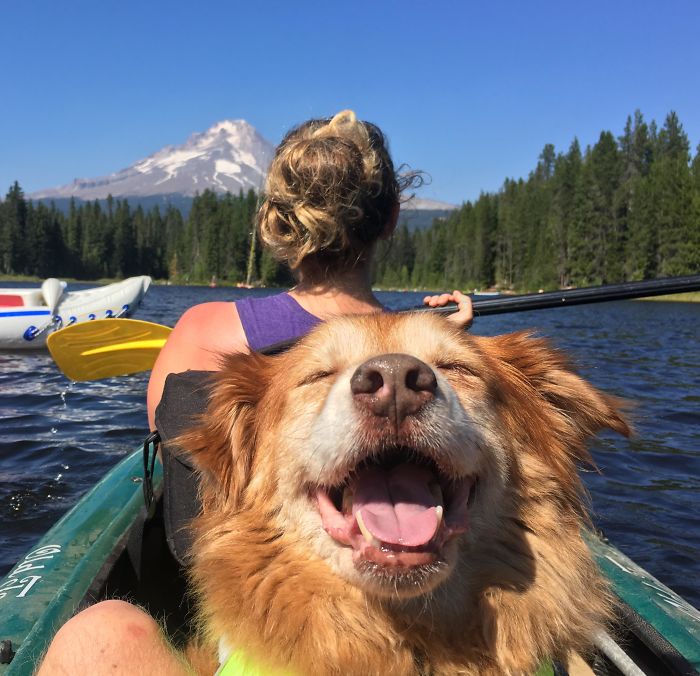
{"points": [[394, 496]]}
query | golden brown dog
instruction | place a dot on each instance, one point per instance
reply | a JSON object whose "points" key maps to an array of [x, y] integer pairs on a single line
{"points": [[392, 496]]}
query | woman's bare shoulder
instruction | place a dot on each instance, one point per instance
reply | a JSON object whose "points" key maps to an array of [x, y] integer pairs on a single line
{"points": [[200, 337], [210, 327]]}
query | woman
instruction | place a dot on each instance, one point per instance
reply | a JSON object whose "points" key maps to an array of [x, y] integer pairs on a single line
{"points": [[332, 194]]}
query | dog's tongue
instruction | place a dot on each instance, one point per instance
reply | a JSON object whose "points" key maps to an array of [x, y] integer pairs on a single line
{"points": [[396, 505]]}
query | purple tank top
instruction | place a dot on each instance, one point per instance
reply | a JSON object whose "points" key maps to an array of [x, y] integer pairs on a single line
{"points": [[273, 319]]}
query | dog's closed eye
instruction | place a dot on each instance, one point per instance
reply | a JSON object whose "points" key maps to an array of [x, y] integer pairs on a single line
{"points": [[315, 377], [457, 367]]}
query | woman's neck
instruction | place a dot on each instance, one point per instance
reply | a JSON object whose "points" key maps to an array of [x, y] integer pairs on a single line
{"points": [[346, 292]]}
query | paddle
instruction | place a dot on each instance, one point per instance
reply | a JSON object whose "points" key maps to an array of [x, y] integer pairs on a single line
{"points": [[111, 347], [103, 348], [588, 294]]}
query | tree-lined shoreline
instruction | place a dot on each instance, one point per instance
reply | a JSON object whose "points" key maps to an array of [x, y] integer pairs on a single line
{"points": [[624, 209]]}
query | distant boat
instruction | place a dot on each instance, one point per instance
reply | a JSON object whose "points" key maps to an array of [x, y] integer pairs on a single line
{"points": [[28, 316], [486, 293]]}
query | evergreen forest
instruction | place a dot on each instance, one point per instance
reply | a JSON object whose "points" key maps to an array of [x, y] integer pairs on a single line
{"points": [[626, 208]]}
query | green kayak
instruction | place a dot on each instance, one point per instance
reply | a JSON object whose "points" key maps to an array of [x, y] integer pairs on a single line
{"points": [[97, 551]]}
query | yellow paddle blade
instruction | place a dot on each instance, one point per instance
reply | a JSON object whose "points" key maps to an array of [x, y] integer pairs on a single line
{"points": [[103, 348]]}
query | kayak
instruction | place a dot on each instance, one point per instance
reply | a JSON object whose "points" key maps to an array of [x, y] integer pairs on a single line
{"points": [[99, 550], [29, 316]]}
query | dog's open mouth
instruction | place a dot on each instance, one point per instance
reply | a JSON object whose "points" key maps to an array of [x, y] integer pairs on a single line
{"points": [[397, 510]]}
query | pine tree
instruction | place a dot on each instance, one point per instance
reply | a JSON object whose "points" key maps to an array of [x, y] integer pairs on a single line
{"points": [[45, 242], [13, 232], [584, 238], [192, 260], [268, 268], [508, 238], [536, 255], [74, 236], [420, 242], [673, 196], [482, 252], [123, 255], [642, 241], [566, 174], [694, 234], [174, 239], [98, 240], [606, 168], [174, 268], [636, 156]]}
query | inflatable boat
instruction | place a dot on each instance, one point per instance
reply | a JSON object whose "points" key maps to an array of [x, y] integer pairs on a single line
{"points": [[29, 316]]}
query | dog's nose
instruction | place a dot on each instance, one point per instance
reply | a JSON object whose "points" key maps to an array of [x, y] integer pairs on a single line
{"points": [[393, 386]]}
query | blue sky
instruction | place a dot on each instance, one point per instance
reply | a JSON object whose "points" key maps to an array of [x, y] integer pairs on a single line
{"points": [[469, 92]]}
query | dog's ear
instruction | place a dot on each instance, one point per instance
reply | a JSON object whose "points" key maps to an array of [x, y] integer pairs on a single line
{"points": [[222, 445], [570, 407]]}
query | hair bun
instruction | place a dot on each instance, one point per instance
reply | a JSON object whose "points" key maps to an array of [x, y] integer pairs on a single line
{"points": [[345, 125], [331, 191]]}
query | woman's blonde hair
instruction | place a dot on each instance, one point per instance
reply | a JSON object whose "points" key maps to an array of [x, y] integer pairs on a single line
{"points": [[331, 191]]}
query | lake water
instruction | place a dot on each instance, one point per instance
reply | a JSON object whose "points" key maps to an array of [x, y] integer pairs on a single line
{"points": [[58, 438]]}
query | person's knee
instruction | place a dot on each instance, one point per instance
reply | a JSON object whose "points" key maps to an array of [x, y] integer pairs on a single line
{"points": [[110, 631], [114, 619]]}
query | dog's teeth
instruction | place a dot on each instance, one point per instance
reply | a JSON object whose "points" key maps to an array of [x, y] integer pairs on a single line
{"points": [[363, 529], [439, 510], [347, 501], [369, 538], [436, 492]]}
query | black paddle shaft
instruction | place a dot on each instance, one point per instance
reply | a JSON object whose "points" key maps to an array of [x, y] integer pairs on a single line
{"points": [[552, 299], [589, 294]]}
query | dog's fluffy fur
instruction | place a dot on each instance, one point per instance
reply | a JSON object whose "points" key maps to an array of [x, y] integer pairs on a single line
{"points": [[506, 413]]}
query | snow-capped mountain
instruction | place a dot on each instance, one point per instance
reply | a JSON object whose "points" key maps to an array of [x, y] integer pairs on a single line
{"points": [[229, 156], [420, 204]]}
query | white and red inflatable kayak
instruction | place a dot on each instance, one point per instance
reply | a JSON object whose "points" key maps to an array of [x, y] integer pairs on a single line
{"points": [[28, 316]]}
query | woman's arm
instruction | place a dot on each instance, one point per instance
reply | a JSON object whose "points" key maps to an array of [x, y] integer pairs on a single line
{"points": [[200, 337]]}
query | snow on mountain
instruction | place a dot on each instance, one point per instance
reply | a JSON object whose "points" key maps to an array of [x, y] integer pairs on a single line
{"points": [[229, 156], [419, 204], [418, 214]]}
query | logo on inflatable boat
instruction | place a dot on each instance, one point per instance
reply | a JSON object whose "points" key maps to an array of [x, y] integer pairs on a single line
{"points": [[17, 580]]}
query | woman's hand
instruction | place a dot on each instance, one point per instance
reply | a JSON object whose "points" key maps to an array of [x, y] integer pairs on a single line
{"points": [[464, 315]]}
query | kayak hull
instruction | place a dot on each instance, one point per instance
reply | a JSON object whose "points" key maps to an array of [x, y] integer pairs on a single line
{"points": [[87, 556]]}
